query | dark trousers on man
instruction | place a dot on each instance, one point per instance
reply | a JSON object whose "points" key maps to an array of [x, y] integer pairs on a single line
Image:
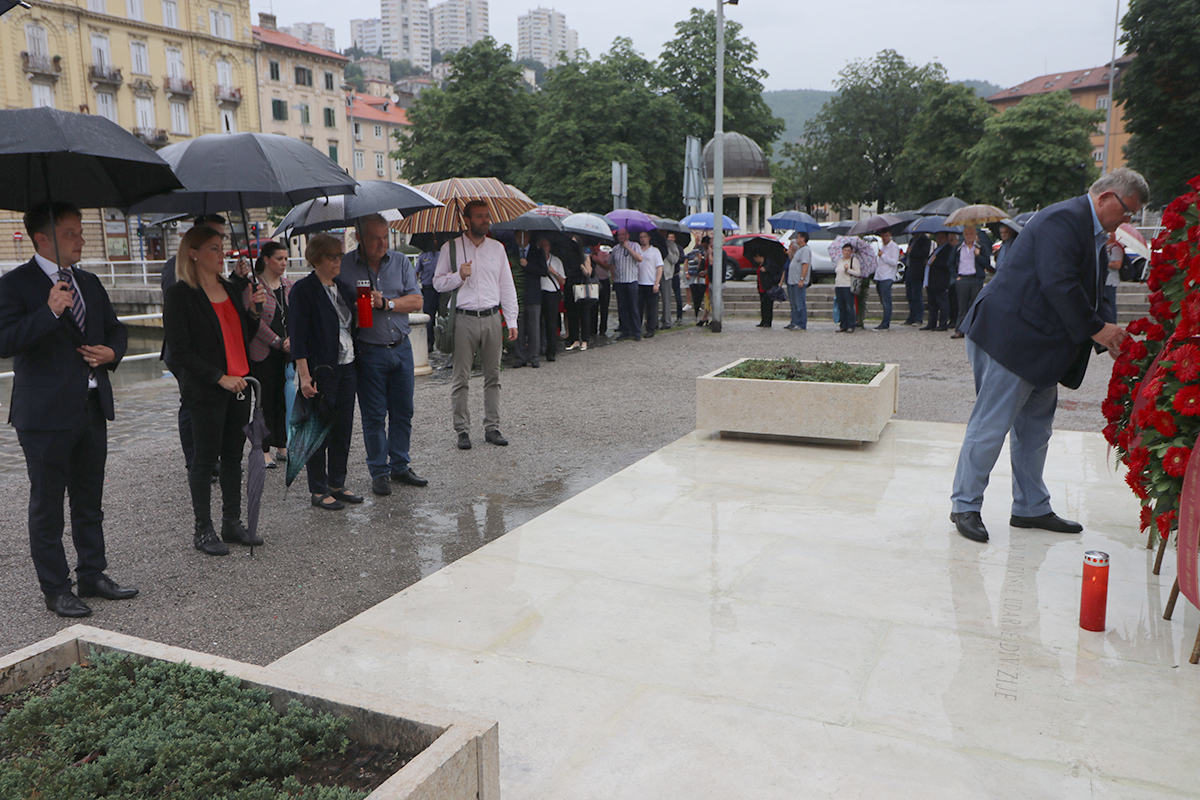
{"points": [[648, 308], [529, 333], [966, 290], [939, 309], [385, 401], [916, 304], [627, 310], [429, 305], [602, 314], [550, 319], [70, 462]]}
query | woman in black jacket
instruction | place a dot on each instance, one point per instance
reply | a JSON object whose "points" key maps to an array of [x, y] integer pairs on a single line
{"points": [[321, 324], [207, 327]]}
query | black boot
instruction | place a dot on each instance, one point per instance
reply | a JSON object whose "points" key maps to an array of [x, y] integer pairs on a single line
{"points": [[205, 540], [234, 532]]}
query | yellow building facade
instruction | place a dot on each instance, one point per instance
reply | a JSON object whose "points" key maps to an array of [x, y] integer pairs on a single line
{"points": [[167, 70]]}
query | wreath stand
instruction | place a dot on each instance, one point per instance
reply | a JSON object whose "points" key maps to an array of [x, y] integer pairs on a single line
{"points": [[1195, 659]]}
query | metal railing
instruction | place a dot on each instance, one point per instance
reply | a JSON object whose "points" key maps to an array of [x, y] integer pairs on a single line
{"points": [[134, 357]]}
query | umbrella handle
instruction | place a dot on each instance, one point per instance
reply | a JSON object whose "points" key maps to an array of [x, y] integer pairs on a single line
{"points": [[254, 384]]}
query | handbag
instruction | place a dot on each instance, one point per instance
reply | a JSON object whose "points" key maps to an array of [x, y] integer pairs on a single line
{"points": [[443, 327], [776, 293], [588, 291]]}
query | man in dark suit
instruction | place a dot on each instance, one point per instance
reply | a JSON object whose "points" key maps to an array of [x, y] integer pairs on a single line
{"points": [[1033, 327], [530, 262], [939, 283], [914, 277], [58, 326]]}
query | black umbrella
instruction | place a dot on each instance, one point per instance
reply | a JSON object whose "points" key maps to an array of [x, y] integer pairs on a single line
{"points": [[770, 248], [841, 228], [683, 234], [530, 221], [9, 5], [934, 224], [341, 210], [942, 207], [880, 222], [49, 154], [256, 470], [1024, 218]]}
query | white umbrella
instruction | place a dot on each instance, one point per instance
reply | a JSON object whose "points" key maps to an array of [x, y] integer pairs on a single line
{"points": [[589, 225]]}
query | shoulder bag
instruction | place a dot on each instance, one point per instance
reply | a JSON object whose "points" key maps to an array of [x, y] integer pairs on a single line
{"points": [[443, 327]]}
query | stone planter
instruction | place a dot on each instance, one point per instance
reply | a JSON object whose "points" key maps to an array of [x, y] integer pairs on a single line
{"points": [[804, 409], [459, 755]]}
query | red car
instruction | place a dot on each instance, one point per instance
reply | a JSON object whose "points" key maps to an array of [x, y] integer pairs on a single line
{"points": [[738, 266]]}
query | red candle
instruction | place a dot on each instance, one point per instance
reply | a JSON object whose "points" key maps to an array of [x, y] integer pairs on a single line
{"points": [[366, 314], [1093, 601]]}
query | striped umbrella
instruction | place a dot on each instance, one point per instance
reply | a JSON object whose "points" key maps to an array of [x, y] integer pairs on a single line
{"points": [[506, 202], [557, 212]]}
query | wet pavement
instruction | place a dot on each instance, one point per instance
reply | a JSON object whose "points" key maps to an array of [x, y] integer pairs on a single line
{"points": [[572, 424]]}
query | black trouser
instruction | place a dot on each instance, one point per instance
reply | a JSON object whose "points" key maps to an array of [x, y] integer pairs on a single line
{"points": [[429, 305], [952, 299], [939, 308], [697, 290], [602, 314], [647, 308], [217, 432], [966, 290], [675, 287], [327, 467], [766, 309], [70, 462], [269, 373], [864, 291], [580, 321], [550, 321]]}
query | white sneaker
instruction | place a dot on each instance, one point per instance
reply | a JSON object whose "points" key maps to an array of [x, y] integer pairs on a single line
{"points": [[687, 306]]}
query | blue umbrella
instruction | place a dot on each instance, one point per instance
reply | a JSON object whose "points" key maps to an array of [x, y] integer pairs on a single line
{"points": [[794, 221], [703, 221]]}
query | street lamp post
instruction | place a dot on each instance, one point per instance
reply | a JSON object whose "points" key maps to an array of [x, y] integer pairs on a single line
{"points": [[1112, 71], [718, 268]]}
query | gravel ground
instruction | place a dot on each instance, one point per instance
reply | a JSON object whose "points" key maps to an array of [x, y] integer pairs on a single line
{"points": [[571, 424]]}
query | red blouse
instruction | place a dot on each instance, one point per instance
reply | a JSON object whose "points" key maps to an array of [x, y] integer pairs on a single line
{"points": [[235, 345]]}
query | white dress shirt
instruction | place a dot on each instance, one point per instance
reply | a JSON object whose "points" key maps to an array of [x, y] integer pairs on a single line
{"points": [[490, 283]]}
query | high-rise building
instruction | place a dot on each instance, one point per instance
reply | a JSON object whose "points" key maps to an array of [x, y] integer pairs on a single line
{"points": [[406, 31], [317, 33], [458, 23], [542, 35], [367, 34]]}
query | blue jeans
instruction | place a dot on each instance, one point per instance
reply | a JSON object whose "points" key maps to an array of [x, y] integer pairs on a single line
{"points": [[884, 288], [1005, 405], [385, 399], [843, 300], [916, 303], [798, 300]]}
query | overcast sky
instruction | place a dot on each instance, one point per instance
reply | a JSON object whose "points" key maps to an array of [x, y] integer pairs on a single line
{"points": [[803, 44]]}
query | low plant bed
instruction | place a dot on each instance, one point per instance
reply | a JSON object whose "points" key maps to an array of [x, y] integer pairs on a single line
{"points": [[836, 401], [361, 741], [122, 727]]}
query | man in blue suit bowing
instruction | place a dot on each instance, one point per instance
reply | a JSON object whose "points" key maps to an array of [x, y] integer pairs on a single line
{"points": [[1032, 327], [58, 326]]}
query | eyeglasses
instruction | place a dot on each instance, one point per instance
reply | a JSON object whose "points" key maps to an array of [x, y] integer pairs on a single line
{"points": [[1128, 214]]}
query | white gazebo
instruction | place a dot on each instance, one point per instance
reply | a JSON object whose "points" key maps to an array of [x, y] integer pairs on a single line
{"points": [[747, 176]]}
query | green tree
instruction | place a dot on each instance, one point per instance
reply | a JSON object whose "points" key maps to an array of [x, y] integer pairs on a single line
{"points": [[858, 134], [934, 159], [539, 69], [687, 72], [794, 173], [577, 137], [1036, 153], [354, 76], [478, 126], [1160, 92], [403, 69]]}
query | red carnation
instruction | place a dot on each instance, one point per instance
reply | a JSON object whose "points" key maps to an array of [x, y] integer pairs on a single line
{"points": [[1113, 410], [1137, 350], [1195, 183], [1155, 333], [1137, 460], [1135, 483], [1165, 522], [1125, 438], [1110, 433], [1187, 362], [1176, 460], [1138, 326], [1161, 311], [1171, 220], [1187, 400]]}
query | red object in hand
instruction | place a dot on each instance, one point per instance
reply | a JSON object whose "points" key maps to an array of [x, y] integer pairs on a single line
{"points": [[366, 312], [1093, 601]]}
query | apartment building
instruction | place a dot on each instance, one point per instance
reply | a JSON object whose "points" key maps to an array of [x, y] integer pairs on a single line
{"points": [[166, 70], [300, 90], [367, 34], [542, 35], [317, 33], [455, 24], [405, 34]]}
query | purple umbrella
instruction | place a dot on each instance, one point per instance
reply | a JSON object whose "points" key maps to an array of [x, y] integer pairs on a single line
{"points": [[631, 220], [862, 249], [256, 470]]}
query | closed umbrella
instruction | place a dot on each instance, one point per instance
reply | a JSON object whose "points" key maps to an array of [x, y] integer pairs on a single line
{"points": [[631, 220], [943, 206], [792, 220], [256, 469], [592, 225], [704, 221], [862, 249], [505, 202], [311, 422], [388, 198]]}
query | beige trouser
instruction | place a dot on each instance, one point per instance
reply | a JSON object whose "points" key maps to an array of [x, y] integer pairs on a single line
{"points": [[476, 335]]}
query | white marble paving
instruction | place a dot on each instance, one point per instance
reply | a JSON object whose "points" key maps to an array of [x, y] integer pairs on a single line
{"points": [[731, 618]]}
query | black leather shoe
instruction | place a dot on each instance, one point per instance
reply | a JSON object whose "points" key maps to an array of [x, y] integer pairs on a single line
{"points": [[1047, 522], [493, 437], [926, 328], [534, 364], [334, 504], [970, 525], [68, 605], [409, 477], [345, 497], [205, 540], [464, 439], [106, 587], [234, 532], [381, 485]]}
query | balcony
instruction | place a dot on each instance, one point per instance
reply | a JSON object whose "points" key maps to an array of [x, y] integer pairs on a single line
{"points": [[155, 137], [179, 86], [103, 74], [229, 94], [36, 65]]}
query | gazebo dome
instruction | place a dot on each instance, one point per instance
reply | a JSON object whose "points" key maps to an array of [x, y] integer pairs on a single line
{"points": [[743, 157]]}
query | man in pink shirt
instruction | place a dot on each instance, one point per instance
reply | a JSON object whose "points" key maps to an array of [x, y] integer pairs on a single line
{"points": [[478, 268]]}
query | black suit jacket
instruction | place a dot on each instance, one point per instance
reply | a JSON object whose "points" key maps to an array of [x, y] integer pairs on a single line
{"points": [[532, 273], [915, 259], [193, 334], [940, 267], [313, 321], [50, 384], [1037, 315]]}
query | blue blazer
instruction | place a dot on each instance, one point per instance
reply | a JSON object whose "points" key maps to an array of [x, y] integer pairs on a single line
{"points": [[313, 321], [1036, 317], [49, 391]]}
